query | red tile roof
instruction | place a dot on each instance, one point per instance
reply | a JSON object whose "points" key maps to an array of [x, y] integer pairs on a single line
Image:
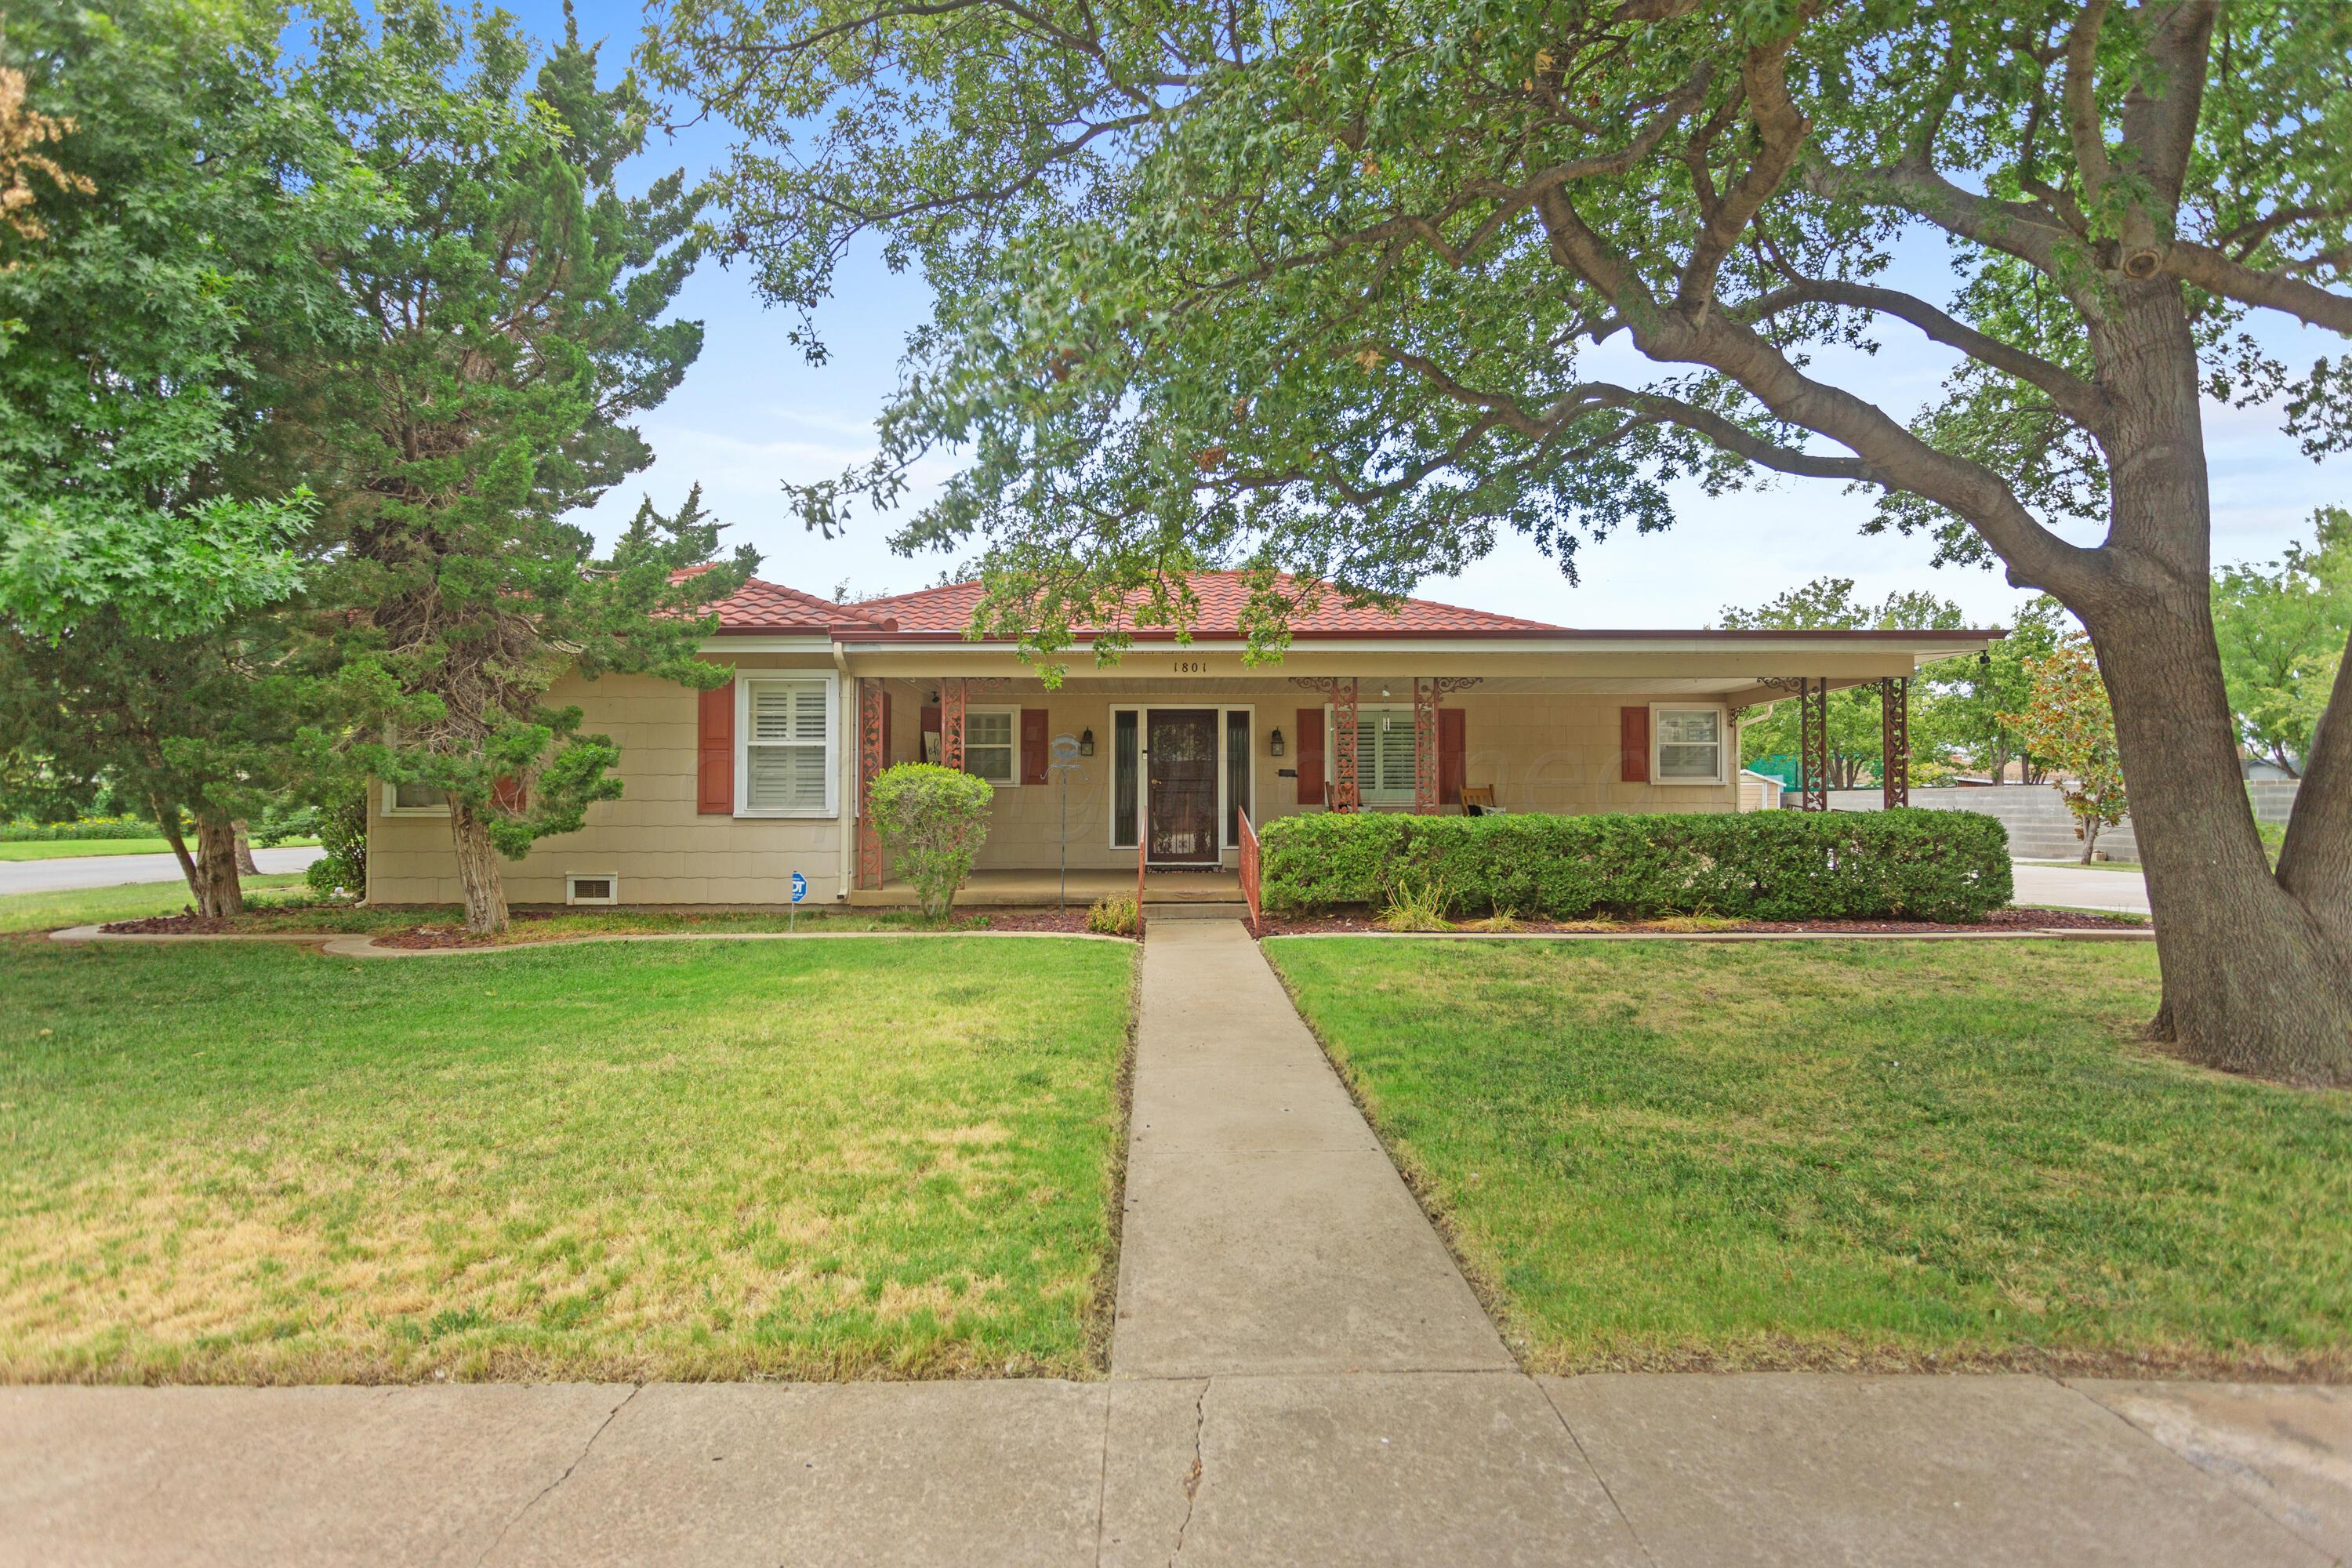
{"points": [[758, 607], [1222, 597]]}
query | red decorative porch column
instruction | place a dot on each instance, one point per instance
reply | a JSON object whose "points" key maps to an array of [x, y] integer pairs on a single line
{"points": [[871, 741], [1345, 797], [951, 724], [1425, 747]]}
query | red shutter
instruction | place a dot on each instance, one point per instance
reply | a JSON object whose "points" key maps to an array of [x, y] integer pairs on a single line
{"points": [[714, 747], [1032, 745], [1310, 756], [1451, 756], [1633, 745], [886, 729], [507, 793], [929, 725]]}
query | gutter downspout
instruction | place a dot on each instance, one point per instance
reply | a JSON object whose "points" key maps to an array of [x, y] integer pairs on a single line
{"points": [[846, 825]]}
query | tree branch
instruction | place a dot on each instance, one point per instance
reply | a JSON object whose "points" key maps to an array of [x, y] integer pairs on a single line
{"points": [[2082, 401], [2216, 272]]}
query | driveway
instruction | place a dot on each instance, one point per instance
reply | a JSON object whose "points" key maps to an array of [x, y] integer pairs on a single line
{"points": [[112, 871], [2077, 887]]}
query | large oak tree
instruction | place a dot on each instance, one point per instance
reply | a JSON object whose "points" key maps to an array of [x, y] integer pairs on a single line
{"points": [[1347, 288]]}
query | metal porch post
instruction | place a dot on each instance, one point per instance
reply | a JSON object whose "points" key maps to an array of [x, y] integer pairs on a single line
{"points": [[1895, 740]]}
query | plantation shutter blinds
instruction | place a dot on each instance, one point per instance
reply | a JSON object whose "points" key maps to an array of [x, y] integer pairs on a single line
{"points": [[784, 754], [1384, 762]]}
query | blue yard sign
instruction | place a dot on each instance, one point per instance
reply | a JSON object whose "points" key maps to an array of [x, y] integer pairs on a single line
{"points": [[800, 887]]}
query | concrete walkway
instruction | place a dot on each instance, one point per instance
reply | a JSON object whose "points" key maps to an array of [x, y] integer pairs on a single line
{"points": [[1298, 1376], [2079, 887]]}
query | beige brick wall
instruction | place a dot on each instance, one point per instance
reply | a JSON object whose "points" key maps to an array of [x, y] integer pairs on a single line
{"points": [[1540, 753]]}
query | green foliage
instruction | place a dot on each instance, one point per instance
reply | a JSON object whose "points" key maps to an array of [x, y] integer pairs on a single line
{"points": [[1857, 735], [933, 820], [1773, 865], [2282, 633], [1115, 914], [342, 827], [1326, 286], [2067, 719], [90, 829], [517, 298], [1965, 714], [185, 276]]}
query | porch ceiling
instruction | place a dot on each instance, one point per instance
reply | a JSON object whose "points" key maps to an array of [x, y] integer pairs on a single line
{"points": [[1117, 688]]}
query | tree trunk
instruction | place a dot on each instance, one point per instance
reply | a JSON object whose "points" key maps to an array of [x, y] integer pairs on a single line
{"points": [[246, 864], [167, 818], [2090, 827], [477, 869], [2254, 980], [219, 892]]}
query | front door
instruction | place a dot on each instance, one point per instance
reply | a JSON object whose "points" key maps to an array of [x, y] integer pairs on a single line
{"points": [[1181, 762]]}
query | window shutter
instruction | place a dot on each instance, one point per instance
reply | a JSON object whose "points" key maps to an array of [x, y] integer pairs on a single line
{"points": [[507, 793], [714, 745], [1032, 745], [1310, 756], [929, 726], [1633, 745], [886, 729], [1452, 757]]}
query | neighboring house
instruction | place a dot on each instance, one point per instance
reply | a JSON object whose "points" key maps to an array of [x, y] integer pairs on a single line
{"points": [[727, 793], [1759, 792]]}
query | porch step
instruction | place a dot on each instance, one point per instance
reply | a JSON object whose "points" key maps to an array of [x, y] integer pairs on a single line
{"points": [[1156, 910]]}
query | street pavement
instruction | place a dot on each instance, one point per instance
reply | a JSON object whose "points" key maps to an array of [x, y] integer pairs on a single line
{"points": [[113, 870]]}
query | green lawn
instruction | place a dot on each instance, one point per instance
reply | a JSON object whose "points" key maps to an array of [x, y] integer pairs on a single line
{"points": [[129, 902], [233, 1163], [79, 849], [1890, 1153]]}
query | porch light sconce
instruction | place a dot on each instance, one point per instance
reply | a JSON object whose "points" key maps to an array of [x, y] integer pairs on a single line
{"points": [[1086, 743], [1273, 743]]}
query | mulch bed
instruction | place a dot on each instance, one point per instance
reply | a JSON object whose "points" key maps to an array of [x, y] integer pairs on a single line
{"points": [[438, 936], [2012, 919], [187, 922]]}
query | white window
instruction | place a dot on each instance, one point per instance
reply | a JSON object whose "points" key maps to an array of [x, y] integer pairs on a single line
{"points": [[785, 747], [1384, 766], [1687, 744], [414, 800], [991, 743], [591, 888]]}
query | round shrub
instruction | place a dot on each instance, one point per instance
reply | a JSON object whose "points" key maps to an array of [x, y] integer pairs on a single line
{"points": [[933, 820]]}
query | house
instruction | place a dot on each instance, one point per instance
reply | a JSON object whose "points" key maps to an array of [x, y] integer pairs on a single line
{"points": [[1169, 758]]}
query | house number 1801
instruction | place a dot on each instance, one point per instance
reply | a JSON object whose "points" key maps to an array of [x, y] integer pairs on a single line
{"points": [[1191, 667]]}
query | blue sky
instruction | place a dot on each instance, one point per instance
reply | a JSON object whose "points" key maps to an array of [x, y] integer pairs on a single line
{"points": [[752, 413]]}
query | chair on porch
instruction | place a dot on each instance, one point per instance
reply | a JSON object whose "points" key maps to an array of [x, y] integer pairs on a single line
{"points": [[1477, 800]]}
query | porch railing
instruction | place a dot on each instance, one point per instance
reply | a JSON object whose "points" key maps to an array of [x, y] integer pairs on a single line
{"points": [[1249, 867]]}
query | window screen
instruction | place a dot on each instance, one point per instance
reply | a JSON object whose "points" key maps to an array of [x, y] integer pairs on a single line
{"points": [[1124, 770], [1237, 773]]}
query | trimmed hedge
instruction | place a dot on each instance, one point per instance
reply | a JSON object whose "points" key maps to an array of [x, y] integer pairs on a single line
{"points": [[88, 829], [1911, 864]]}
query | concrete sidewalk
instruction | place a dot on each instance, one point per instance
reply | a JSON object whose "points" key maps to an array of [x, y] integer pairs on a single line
{"points": [[2080, 887], [1298, 1375]]}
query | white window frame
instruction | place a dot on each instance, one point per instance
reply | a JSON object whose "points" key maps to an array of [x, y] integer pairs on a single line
{"points": [[745, 681], [1365, 796], [392, 806], [1013, 748], [1726, 745], [571, 881]]}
